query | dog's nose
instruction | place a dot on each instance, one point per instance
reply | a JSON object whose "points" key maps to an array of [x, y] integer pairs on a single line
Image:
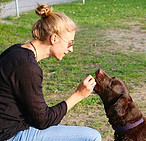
{"points": [[100, 71]]}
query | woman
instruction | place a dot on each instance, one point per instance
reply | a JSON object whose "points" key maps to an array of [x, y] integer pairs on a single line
{"points": [[24, 114]]}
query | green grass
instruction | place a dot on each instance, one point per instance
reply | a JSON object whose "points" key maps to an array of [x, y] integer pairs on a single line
{"points": [[11, 34], [92, 17], [4, 1], [105, 13], [91, 51], [97, 13]]}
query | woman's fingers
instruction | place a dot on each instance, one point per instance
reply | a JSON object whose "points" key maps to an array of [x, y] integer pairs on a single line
{"points": [[90, 81], [86, 86]]}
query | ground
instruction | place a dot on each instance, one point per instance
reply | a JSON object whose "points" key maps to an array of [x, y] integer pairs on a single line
{"points": [[127, 40]]}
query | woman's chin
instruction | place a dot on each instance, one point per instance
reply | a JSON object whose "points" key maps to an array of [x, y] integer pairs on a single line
{"points": [[59, 58]]}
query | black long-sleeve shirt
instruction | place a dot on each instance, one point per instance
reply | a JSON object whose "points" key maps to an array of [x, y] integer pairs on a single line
{"points": [[22, 102]]}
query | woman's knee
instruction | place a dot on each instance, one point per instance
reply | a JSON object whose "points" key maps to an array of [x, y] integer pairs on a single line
{"points": [[97, 136], [93, 135]]}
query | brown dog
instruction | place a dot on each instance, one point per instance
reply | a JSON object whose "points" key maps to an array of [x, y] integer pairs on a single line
{"points": [[125, 118]]}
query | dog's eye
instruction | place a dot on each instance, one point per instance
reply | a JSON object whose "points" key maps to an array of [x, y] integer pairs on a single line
{"points": [[108, 87], [111, 83]]}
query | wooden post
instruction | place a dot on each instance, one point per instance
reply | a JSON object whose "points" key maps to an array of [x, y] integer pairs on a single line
{"points": [[83, 1], [17, 8]]}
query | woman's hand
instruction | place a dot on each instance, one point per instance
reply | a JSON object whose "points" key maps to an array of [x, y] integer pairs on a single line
{"points": [[82, 91], [86, 86]]}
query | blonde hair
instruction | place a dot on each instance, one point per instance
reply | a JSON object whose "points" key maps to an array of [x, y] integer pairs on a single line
{"points": [[51, 22]]}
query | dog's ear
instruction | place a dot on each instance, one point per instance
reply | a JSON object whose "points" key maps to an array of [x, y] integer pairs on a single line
{"points": [[119, 108]]}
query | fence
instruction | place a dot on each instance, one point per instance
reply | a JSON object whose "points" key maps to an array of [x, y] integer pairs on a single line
{"points": [[15, 7]]}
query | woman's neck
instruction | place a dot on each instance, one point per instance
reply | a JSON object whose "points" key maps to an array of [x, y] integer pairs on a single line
{"points": [[41, 50]]}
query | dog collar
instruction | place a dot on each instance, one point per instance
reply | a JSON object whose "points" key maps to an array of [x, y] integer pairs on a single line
{"points": [[130, 126]]}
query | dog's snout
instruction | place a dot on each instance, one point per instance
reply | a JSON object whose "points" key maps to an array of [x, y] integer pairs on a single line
{"points": [[100, 71]]}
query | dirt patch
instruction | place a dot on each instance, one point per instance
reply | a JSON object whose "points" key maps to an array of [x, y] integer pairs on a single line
{"points": [[139, 97], [127, 40], [5, 21], [124, 40]]}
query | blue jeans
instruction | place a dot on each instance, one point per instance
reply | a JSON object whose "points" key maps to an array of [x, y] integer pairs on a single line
{"points": [[58, 133]]}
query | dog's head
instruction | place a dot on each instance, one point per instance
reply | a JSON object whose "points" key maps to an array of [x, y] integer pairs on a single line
{"points": [[113, 92]]}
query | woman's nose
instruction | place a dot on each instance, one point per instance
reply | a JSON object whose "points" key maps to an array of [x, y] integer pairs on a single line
{"points": [[70, 49]]}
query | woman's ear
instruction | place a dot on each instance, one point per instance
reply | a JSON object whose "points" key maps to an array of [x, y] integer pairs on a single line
{"points": [[53, 38]]}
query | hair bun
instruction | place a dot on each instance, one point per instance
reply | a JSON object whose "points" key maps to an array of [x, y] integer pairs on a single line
{"points": [[44, 10]]}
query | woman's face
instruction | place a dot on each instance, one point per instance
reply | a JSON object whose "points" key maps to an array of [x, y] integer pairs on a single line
{"points": [[63, 45]]}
